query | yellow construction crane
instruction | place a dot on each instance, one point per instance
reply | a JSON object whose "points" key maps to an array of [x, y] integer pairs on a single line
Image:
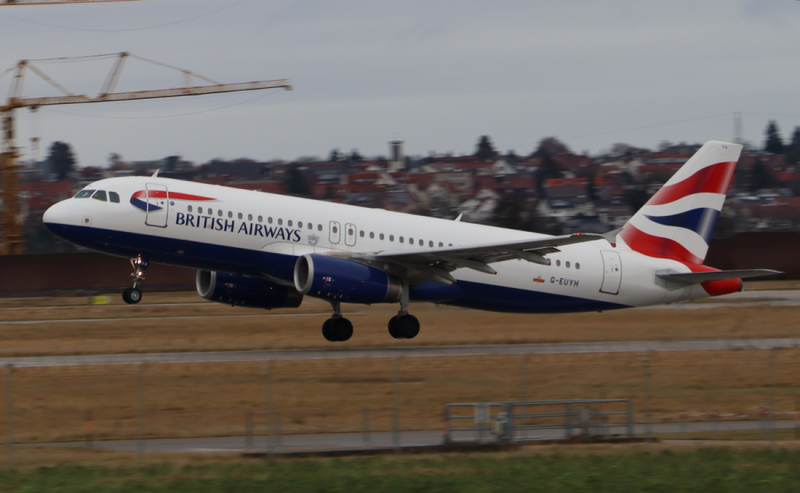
{"points": [[9, 174], [54, 2]]}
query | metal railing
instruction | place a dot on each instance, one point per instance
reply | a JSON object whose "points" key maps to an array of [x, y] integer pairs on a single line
{"points": [[527, 420]]}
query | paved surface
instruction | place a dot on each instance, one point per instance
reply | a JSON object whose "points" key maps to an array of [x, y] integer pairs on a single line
{"points": [[405, 352], [356, 441]]}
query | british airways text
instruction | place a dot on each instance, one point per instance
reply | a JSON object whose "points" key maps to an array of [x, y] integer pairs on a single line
{"points": [[229, 226]]}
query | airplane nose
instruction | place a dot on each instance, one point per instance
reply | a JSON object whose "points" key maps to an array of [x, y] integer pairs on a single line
{"points": [[57, 214]]}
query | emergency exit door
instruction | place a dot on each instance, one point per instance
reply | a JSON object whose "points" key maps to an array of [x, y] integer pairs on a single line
{"points": [[612, 272]]}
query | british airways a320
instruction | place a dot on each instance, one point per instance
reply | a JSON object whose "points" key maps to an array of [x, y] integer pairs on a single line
{"points": [[268, 251]]}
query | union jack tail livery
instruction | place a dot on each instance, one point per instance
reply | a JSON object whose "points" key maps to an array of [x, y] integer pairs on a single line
{"points": [[678, 221]]}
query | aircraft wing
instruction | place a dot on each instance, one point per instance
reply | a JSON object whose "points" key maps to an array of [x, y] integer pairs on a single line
{"points": [[698, 277], [436, 263]]}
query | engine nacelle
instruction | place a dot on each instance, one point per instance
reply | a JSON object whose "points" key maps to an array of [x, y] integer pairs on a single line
{"points": [[334, 278], [245, 291]]}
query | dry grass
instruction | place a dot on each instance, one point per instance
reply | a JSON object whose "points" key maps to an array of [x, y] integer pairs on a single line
{"points": [[207, 326], [326, 396]]}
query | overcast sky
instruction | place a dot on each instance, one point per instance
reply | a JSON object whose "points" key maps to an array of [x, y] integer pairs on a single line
{"points": [[435, 74]]}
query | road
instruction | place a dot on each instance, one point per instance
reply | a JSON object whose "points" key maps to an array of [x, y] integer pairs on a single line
{"points": [[356, 441], [403, 352]]}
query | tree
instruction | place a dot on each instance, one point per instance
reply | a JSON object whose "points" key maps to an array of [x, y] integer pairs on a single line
{"points": [[793, 149], [547, 169], [773, 142], [335, 155], [550, 146], [762, 177], [295, 181], [61, 160], [485, 150], [355, 156]]}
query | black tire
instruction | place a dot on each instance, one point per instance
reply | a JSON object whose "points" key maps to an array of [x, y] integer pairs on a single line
{"points": [[327, 330], [407, 326], [132, 296], [135, 295], [343, 329], [393, 328]]}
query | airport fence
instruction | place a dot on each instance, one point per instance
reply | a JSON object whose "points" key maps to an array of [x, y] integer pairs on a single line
{"points": [[732, 394]]}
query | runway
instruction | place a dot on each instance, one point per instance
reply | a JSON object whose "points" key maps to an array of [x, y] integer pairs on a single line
{"points": [[357, 441], [403, 352]]}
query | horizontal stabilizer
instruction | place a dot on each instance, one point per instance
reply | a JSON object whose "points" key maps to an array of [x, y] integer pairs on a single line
{"points": [[720, 275]]}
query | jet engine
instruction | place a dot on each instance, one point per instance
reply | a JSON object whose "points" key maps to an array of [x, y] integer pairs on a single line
{"points": [[338, 279], [245, 291]]}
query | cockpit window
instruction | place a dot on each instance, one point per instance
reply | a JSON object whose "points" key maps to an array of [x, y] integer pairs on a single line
{"points": [[113, 197], [83, 194], [100, 195]]}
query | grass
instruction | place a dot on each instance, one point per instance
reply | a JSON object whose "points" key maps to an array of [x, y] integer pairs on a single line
{"points": [[83, 328], [328, 396], [663, 469]]}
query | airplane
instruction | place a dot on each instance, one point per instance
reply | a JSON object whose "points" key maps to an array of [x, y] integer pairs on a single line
{"points": [[265, 250]]}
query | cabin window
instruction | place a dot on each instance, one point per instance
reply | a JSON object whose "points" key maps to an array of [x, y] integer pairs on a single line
{"points": [[260, 219], [289, 223], [567, 264], [189, 208], [371, 235], [269, 220], [391, 237], [310, 226], [441, 244], [577, 265], [430, 244], [114, 197], [219, 213], [449, 244], [401, 239], [410, 241], [240, 215], [280, 222], [211, 212], [100, 195], [361, 233], [558, 263], [421, 242], [299, 224], [199, 210], [230, 214], [84, 194], [334, 229], [319, 227]]}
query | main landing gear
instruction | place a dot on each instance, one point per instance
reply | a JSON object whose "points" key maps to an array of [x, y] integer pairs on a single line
{"points": [[404, 325], [133, 295], [337, 328]]}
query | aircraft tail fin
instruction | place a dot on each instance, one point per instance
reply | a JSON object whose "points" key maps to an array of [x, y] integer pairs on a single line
{"points": [[678, 221]]}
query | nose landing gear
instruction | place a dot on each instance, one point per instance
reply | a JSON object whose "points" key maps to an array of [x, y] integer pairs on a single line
{"points": [[133, 295], [337, 328]]}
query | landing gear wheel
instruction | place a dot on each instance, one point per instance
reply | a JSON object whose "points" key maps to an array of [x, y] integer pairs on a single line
{"points": [[343, 329], [407, 326], [132, 296], [327, 330], [393, 328], [337, 329], [404, 326]]}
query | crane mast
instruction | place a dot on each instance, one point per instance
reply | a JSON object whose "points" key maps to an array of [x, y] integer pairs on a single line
{"points": [[12, 242]]}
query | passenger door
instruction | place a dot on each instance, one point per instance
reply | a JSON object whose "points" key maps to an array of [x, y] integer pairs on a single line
{"points": [[350, 231], [612, 272], [335, 232], [157, 205]]}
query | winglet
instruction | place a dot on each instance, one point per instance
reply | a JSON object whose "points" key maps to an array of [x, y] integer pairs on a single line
{"points": [[155, 174], [458, 219]]}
